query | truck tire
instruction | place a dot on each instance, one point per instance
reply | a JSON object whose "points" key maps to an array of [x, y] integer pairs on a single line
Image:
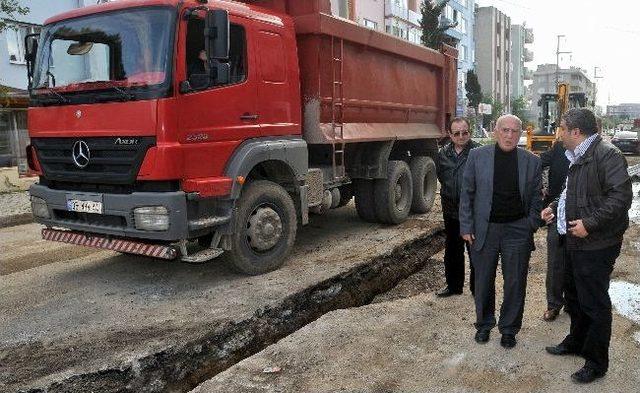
{"points": [[265, 228], [394, 195], [425, 183], [365, 205], [346, 194]]}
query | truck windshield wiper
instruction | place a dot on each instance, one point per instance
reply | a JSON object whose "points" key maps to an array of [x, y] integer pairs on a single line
{"points": [[61, 99], [127, 96]]}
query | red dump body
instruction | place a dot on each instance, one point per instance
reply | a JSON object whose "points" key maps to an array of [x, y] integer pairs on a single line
{"points": [[389, 88]]}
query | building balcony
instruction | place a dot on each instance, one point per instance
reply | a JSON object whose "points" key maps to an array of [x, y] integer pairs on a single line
{"points": [[527, 55], [395, 11], [528, 36], [414, 17]]}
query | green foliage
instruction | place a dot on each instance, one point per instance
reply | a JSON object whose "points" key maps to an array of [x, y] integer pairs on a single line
{"points": [[433, 32], [10, 8], [474, 91], [519, 108]]}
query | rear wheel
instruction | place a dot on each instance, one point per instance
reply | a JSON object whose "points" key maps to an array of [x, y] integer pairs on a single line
{"points": [[346, 194], [425, 183], [265, 228], [394, 195], [363, 190]]}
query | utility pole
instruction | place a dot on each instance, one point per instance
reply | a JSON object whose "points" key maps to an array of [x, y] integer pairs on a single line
{"points": [[558, 53], [595, 83]]}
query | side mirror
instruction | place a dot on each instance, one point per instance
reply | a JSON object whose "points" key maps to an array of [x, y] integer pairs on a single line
{"points": [[221, 73], [31, 50], [216, 31]]}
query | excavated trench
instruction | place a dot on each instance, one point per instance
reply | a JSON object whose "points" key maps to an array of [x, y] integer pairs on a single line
{"points": [[181, 368]]}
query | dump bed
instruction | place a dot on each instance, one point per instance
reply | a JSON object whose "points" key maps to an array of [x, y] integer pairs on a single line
{"points": [[377, 86]]}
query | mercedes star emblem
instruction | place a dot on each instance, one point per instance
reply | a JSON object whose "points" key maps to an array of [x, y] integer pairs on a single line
{"points": [[81, 154], [78, 114]]}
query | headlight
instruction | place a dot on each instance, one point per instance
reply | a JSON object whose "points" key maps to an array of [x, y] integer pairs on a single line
{"points": [[151, 218], [39, 207]]}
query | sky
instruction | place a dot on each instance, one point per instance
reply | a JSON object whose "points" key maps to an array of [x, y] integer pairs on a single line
{"points": [[603, 34]]}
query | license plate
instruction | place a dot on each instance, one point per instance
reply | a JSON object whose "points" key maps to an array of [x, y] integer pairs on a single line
{"points": [[76, 205]]}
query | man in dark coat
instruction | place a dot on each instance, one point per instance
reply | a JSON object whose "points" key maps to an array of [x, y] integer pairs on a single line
{"points": [[558, 165], [592, 215], [452, 158]]}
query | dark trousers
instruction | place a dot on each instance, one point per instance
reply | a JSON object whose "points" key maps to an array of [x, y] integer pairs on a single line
{"points": [[555, 269], [587, 294], [454, 257], [509, 242]]}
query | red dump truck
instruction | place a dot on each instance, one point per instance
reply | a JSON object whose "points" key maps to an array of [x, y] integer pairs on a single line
{"points": [[191, 128]]}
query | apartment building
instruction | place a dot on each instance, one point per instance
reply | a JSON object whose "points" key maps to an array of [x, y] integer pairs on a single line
{"points": [[493, 54], [521, 36]]}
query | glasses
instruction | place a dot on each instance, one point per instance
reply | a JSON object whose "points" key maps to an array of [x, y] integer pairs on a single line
{"points": [[461, 133]]}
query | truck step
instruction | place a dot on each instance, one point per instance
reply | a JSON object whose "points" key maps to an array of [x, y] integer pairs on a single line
{"points": [[203, 256]]}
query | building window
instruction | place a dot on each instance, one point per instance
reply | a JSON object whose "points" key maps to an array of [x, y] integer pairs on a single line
{"points": [[370, 24], [462, 25], [463, 52], [15, 40]]}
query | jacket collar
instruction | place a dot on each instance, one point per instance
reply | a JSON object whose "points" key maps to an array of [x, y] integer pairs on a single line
{"points": [[588, 154]]}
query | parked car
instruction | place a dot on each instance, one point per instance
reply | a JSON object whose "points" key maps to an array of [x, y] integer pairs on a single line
{"points": [[627, 141]]}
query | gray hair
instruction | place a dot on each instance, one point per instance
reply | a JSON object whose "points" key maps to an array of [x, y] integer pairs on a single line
{"points": [[509, 116], [582, 119]]}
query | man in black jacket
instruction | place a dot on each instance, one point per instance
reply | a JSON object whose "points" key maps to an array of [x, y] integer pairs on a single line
{"points": [[592, 216], [558, 165], [452, 158]]}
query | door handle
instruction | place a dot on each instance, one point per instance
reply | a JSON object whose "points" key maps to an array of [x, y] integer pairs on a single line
{"points": [[249, 116]]}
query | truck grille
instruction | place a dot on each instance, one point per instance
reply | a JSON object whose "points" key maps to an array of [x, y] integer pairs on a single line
{"points": [[91, 219], [109, 162]]}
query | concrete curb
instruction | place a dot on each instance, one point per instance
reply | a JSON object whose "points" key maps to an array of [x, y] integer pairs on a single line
{"points": [[16, 219]]}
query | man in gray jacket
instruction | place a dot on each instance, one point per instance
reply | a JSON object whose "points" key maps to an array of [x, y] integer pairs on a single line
{"points": [[592, 216], [500, 206]]}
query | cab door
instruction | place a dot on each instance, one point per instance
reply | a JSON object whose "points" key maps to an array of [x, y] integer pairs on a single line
{"points": [[215, 120]]}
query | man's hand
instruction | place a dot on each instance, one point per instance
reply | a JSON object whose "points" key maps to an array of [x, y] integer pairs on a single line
{"points": [[547, 215], [577, 228], [469, 238]]}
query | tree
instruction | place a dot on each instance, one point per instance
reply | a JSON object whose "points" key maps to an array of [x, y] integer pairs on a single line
{"points": [[519, 108], [10, 8], [474, 92], [433, 31]]}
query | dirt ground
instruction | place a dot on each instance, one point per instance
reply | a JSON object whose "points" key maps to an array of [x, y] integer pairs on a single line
{"points": [[409, 340]]}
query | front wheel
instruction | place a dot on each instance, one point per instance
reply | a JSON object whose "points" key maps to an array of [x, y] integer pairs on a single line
{"points": [[265, 228]]}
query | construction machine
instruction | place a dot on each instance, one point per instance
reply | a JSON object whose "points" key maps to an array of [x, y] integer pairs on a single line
{"points": [[552, 107]]}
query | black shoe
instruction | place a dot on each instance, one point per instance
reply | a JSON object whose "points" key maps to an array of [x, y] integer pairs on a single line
{"points": [[482, 336], [446, 292], [560, 350], [508, 340], [586, 375]]}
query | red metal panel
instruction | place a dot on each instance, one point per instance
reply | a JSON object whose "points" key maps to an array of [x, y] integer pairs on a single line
{"points": [[132, 118]]}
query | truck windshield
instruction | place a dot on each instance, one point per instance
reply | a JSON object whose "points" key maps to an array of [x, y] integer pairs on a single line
{"points": [[117, 55]]}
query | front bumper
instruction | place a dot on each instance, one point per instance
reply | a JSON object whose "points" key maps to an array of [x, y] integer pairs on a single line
{"points": [[117, 218]]}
